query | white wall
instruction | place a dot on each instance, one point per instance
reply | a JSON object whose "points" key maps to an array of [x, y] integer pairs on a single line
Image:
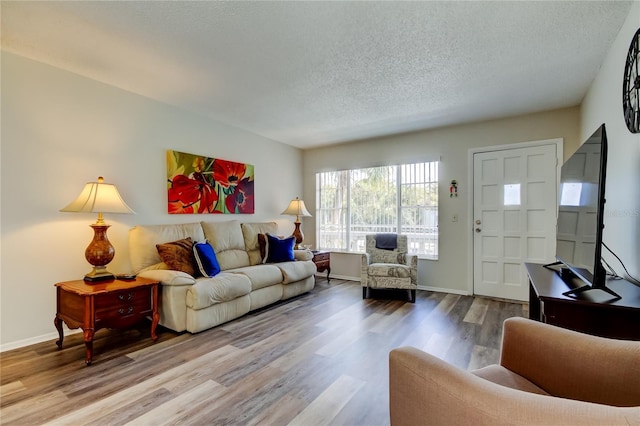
{"points": [[60, 130], [450, 272], [603, 104]]}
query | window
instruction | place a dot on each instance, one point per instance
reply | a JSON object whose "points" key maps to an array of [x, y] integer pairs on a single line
{"points": [[512, 194], [400, 199]]}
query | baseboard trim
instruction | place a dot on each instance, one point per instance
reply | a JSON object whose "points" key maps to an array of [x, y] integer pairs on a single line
{"points": [[444, 290], [338, 277], [38, 339]]}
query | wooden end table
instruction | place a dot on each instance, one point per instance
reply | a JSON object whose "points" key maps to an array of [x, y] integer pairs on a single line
{"points": [[105, 304], [322, 259]]}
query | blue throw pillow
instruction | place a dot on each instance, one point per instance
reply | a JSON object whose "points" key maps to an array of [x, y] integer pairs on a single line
{"points": [[206, 259], [279, 249]]}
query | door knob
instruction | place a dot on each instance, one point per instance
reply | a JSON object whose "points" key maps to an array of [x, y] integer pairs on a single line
{"points": [[478, 230], [478, 222]]}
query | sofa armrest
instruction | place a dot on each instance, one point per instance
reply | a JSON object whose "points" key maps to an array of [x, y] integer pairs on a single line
{"points": [[411, 260], [168, 277], [573, 365], [302, 254], [364, 265], [425, 390]]}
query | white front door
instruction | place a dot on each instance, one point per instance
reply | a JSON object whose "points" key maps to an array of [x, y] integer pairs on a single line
{"points": [[514, 214]]}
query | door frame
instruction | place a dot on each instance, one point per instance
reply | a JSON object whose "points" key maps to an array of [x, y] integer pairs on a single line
{"points": [[558, 142]]}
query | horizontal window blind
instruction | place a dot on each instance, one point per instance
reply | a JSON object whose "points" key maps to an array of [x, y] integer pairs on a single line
{"points": [[399, 199]]}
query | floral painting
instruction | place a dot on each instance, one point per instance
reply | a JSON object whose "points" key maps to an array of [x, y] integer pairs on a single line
{"points": [[198, 184]]}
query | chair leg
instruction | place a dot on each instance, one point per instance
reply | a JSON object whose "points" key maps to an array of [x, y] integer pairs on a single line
{"points": [[364, 292], [412, 296]]}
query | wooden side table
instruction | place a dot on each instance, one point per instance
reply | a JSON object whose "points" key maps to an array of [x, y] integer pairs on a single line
{"points": [[105, 304], [322, 259]]}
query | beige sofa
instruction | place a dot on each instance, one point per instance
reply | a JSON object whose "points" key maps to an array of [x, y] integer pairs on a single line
{"points": [[243, 285], [547, 376]]}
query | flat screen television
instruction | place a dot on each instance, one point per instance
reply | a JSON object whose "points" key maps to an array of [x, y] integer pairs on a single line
{"points": [[581, 215]]}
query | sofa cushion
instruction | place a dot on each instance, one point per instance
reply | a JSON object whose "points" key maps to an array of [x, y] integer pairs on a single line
{"points": [[227, 241], [279, 249], [206, 260], [296, 271], [261, 275], [178, 255], [251, 232], [502, 376], [221, 288], [143, 240], [266, 296]]}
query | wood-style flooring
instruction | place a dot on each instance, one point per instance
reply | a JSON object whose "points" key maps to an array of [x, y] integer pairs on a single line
{"points": [[319, 359]]}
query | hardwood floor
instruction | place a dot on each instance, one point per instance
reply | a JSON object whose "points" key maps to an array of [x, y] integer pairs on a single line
{"points": [[319, 359]]}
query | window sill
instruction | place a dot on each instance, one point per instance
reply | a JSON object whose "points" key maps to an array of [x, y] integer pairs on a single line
{"points": [[342, 251]]}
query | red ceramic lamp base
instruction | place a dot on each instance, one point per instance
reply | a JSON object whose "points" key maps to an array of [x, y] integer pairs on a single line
{"points": [[99, 253], [298, 234]]}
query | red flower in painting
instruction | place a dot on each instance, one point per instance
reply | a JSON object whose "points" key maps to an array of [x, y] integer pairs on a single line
{"points": [[228, 173], [241, 198], [176, 207], [185, 192]]}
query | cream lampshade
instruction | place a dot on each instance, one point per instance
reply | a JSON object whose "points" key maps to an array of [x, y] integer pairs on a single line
{"points": [[297, 208], [99, 197]]}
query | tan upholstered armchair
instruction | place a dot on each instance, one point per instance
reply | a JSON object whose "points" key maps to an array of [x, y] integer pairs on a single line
{"points": [[547, 376], [386, 265]]}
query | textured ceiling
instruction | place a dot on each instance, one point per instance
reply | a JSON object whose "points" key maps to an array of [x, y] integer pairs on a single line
{"points": [[314, 73]]}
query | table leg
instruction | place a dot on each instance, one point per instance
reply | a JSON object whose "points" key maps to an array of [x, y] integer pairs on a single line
{"points": [[88, 343], [328, 272], [154, 324], [155, 318], [58, 323]]}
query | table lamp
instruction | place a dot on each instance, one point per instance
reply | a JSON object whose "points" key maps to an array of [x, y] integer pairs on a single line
{"points": [[99, 197], [297, 208]]}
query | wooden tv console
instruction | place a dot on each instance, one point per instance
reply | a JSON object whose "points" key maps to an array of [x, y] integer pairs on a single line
{"points": [[593, 312]]}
